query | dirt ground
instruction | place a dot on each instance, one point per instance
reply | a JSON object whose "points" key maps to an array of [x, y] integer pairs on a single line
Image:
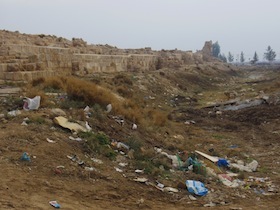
{"points": [[248, 134]]}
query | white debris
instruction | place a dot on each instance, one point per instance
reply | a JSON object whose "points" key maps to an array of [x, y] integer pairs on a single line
{"points": [[50, 141], [138, 171], [75, 139], [134, 126], [118, 169], [88, 127], [31, 103], [97, 160], [109, 108], [14, 113], [251, 167]]}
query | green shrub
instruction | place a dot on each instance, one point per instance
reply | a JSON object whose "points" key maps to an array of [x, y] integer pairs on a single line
{"points": [[98, 143]]}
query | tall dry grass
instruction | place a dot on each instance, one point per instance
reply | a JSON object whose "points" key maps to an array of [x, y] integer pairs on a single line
{"points": [[89, 93]]}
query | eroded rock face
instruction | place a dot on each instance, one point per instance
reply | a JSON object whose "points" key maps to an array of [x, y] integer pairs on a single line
{"points": [[25, 57]]}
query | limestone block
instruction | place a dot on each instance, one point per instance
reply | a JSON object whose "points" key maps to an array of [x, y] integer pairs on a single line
{"points": [[40, 66], [13, 67], [29, 66], [33, 58], [3, 67]]}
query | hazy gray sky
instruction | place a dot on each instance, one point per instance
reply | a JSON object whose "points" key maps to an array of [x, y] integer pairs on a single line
{"points": [[238, 25]]}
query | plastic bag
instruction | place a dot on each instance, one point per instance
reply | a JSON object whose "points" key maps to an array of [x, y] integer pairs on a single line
{"points": [[196, 187], [31, 103]]}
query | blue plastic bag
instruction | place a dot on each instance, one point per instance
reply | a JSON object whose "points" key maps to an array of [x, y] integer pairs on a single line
{"points": [[196, 187], [222, 162]]}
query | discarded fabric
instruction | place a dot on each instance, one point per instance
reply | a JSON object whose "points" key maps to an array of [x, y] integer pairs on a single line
{"points": [[31, 103], [196, 187]]}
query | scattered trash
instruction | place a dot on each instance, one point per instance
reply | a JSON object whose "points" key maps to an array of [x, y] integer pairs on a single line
{"points": [[142, 180], [87, 111], [76, 159], [119, 120], [50, 141], [25, 157], [90, 169], [196, 187], [194, 165], [170, 189], [25, 120], [63, 122], [222, 163], [209, 157], [14, 113], [88, 126], [211, 204], [55, 204], [97, 160], [75, 139], [138, 171], [160, 185], [118, 169], [251, 167], [120, 145], [123, 164], [176, 161], [134, 126], [192, 198], [31, 103], [227, 180], [109, 108], [188, 122]]}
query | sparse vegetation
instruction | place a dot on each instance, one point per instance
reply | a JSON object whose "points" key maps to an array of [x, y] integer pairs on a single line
{"points": [[98, 143]]}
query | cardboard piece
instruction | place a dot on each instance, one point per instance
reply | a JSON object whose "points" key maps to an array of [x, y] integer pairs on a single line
{"points": [[209, 157], [63, 122]]}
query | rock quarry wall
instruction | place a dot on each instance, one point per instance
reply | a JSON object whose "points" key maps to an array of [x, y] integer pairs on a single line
{"points": [[26, 62], [26, 57]]}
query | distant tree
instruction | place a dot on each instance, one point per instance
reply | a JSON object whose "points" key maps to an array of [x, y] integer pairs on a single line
{"points": [[216, 49], [269, 54], [222, 57], [255, 58], [242, 58], [230, 57]]}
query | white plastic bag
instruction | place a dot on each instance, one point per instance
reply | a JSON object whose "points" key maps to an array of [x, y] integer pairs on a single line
{"points": [[31, 103]]}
